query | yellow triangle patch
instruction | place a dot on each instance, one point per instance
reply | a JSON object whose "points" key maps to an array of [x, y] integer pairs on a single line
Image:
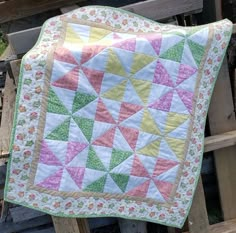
{"points": [[142, 88], [97, 34], [177, 146], [152, 149], [117, 92], [148, 125], [174, 120], [114, 65], [141, 60], [72, 36]]}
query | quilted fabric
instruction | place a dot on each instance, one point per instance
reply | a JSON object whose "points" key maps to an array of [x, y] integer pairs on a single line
{"points": [[110, 116]]}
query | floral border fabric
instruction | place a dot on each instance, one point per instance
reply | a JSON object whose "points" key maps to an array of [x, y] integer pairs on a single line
{"points": [[29, 100]]}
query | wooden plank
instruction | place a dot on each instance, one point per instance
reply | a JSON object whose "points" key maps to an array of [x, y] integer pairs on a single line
{"points": [[132, 226], [218, 9], [9, 227], [220, 141], [16, 9], [70, 225], [198, 219], [160, 9], [223, 227], [21, 213], [15, 67], [8, 110], [48, 230], [222, 119], [68, 8], [22, 41]]}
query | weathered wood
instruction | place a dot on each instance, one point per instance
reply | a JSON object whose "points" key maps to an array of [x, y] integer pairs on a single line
{"points": [[10, 227], [218, 9], [15, 67], [223, 227], [70, 225], [16, 9], [220, 141], [21, 213], [8, 110], [22, 41], [68, 8], [222, 119], [132, 226], [198, 219], [160, 9]]}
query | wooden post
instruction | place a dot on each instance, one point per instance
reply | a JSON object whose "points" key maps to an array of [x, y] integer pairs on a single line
{"points": [[70, 225], [198, 219], [222, 119]]}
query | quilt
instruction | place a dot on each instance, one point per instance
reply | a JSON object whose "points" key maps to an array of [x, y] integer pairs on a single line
{"points": [[110, 116]]}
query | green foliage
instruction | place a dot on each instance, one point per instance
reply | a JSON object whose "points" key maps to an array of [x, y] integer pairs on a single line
{"points": [[3, 43]]}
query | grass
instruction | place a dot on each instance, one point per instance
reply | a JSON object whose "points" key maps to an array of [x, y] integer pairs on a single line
{"points": [[3, 43]]}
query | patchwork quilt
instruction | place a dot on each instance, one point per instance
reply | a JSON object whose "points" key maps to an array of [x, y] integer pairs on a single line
{"points": [[110, 116]]}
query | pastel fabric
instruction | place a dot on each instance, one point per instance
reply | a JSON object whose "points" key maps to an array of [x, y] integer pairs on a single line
{"points": [[110, 116]]}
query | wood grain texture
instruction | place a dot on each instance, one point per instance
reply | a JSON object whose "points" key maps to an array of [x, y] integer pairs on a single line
{"points": [[198, 219], [160, 9], [223, 227], [218, 9], [7, 112], [222, 119], [220, 141], [70, 225], [16, 9]]}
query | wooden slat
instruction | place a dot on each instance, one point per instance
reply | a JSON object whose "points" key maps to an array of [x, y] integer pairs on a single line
{"points": [[223, 227], [218, 9], [22, 41], [70, 225], [16, 9], [198, 219], [222, 119], [68, 8], [160, 9], [220, 141]]}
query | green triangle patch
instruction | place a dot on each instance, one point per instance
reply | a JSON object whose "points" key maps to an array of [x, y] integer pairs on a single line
{"points": [[118, 156], [197, 51], [175, 52], [86, 126], [121, 180], [97, 186], [61, 132], [81, 100], [94, 162], [55, 105]]}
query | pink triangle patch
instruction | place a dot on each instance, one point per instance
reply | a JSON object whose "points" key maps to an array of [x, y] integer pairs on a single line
{"points": [[47, 156], [95, 78], [73, 149], [164, 188], [164, 103], [155, 41], [185, 72], [127, 110], [77, 174], [138, 169], [128, 44], [187, 98], [91, 51], [163, 165], [64, 55], [161, 76], [130, 135], [102, 114], [106, 139], [115, 36], [69, 80], [140, 191], [52, 182]]}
